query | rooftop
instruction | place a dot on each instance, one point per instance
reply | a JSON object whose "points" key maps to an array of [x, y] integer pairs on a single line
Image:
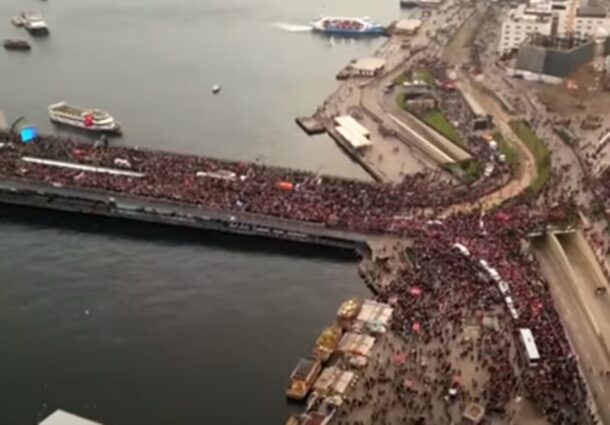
{"points": [[591, 12], [368, 64], [408, 25]]}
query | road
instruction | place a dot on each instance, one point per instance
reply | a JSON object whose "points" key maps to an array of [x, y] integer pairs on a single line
{"points": [[527, 170], [576, 322]]}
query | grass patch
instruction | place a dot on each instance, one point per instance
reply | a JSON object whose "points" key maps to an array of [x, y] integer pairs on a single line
{"points": [[538, 149], [400, 79], [438, 121], [510, 154], [468, 170], [424, 74], [400, 100], [417, 74]]}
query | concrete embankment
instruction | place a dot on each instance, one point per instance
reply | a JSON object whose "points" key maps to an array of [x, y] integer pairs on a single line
{"points": [[422, 144], [94, 202], [441, 142]]}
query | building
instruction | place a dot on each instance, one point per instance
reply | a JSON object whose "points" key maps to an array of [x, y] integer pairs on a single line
{"points": [[356, 344], [519, 24], [550, 18], [407, 26], [550, 59], [334, 381], [367, 67]]}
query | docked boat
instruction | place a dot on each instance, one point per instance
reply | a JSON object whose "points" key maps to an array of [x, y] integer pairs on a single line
{"points": [[302, 378], [348, 26], [409, 4], [348, 310], [93, 120], [327, 343], [16, 44], [32, 21]]}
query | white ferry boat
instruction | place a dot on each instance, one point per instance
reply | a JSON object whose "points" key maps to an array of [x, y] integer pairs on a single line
{"points": [[32, 22], [86, 119], [344, 26]]}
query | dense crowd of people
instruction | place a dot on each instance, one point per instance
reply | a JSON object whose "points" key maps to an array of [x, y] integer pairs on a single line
{"points": [[453, 288], [236, 186]]}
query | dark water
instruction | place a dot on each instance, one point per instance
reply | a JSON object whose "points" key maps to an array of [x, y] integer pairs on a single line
{"points": [[132, 324], [140, 325]]}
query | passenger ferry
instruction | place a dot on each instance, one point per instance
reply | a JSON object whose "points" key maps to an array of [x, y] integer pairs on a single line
{"points": [[327, 343], [302, 378], [86, 119], [32, 21], [348, 26]]}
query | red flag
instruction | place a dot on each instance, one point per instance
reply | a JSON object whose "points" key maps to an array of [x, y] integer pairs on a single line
{"points": [[88, 120]]}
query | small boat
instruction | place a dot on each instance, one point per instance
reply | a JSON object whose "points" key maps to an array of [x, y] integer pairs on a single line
{"points": [[17, 21], [16, 44], [94, 120], [327, 343], [33, 23], [216, 89], [302, 378]]}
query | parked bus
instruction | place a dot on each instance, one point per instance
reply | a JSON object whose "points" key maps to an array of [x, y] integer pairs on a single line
{"points": [[530, 350]]}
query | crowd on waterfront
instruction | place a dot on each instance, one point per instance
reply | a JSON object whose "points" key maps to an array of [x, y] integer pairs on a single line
{"points": [[441, 291], [237, 186], [452, 290]]}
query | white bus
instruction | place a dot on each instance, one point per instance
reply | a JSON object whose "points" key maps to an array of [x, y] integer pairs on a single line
{"points": [[530, 349]]}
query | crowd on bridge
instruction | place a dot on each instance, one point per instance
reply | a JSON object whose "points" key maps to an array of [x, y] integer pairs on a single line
{"points": [[236, 186]]}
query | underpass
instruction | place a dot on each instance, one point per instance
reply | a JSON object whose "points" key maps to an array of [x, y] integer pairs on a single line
{"points": [[571, 273]]}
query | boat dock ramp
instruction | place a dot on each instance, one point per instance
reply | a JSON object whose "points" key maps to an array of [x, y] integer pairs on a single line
{"points": [[311, 125]]}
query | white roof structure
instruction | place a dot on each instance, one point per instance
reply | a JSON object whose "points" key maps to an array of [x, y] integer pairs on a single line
{"points": [[529, 344], [369, 65], [375, 313], [60, 417], [356, 140], [354, 343], [334, 381], [81, 167], [350, 123], [408, 25]]}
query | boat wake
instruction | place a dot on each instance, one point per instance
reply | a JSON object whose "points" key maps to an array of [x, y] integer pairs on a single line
{"points": [[284, 26]]}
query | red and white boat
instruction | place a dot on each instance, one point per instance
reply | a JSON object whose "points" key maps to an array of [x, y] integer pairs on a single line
{"points": [[94, 120]]}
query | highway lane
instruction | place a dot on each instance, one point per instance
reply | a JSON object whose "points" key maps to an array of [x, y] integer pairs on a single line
{"points": [[584, 340]]}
